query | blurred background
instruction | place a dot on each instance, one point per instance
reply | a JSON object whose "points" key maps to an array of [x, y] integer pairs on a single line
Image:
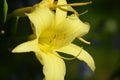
{"points": [[104, 18]]}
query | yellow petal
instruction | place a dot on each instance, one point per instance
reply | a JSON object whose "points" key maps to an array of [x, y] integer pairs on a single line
{"points": [[41, 18], [50, 1], [81, 28], [84, 56], [53, 66], [72, 28], [61, 14], [47, 3], [26, 47]]}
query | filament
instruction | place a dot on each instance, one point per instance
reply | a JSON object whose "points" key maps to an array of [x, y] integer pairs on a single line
{"points": [[72, 58]]}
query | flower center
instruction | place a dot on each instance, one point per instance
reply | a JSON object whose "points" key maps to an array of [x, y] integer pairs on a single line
{"points": [[51, 39]]}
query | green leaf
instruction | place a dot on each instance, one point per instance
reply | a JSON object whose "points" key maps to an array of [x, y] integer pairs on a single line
{"points": [[3, 11], [14, 24]]}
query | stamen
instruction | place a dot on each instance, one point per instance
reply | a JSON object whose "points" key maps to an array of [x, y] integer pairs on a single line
{"points": [[70, 58], [83, 40], [74, 4], [70, 10], [76, 14], [83, 13], [52, 38]]}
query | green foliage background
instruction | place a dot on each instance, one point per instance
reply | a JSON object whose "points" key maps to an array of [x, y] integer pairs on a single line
{"points": [[104, 18]]}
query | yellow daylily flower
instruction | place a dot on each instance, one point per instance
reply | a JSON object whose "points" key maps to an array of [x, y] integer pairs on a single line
{"points": [[54, 32]]}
